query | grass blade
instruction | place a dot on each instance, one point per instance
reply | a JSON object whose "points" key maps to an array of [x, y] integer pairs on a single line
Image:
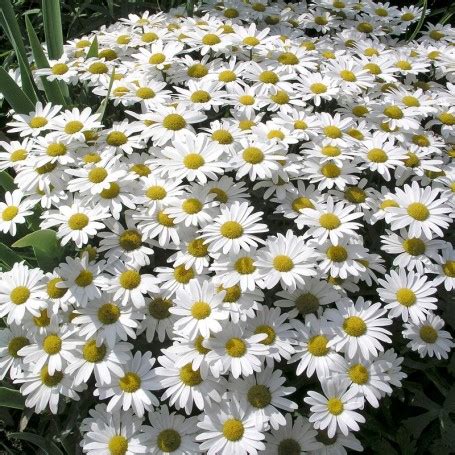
{"points": [[102, 109], [53, 28], [52, 89], [93, 50], [15, 96], [6, 181], [421, 21], [38, 441], [11, 398]]}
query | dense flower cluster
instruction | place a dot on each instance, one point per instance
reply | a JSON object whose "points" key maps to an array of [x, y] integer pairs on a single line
{"points": [[268, 200]]}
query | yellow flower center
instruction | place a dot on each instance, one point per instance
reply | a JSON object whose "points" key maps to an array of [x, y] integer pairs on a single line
{"points": [[108, 313], [192, 206], [449, 269], [250, 41], [259, 396], [348, 76], [246, 100], [73, 126], [19, 295], [18, 155], [386, 203], [317, 346], [116, 138], [227, 76], [107, 54], [130, 279], [78, 221], [98, 68], [111, 192], [53, 291], [145, 93], [233, 293], [407, 17], [200, 310], [354, 326], [246, 124], [301, 203], [168, 440], [373, 68], [275, 134], [245, 265], [280, 97], [174, 122], [197, 248], [269, 77], [52, 344], [42, 320], [412, 161], [164, 219], [149, 37], [406, 297], [288, 58], [269, 331], [358, 374], [140, 169], [93, 353], [355, 194], [307, 303], [156, 193], [193, 161], [118, 445], [97, 175], [233, 430], [377, 155], [283, 263], [436, 35], [300, 125], [183, 275], [414, 246], [418, 211], [335, 406], [222, 137], [9, 213], [130, 240], [156, 59], [130, 383], [50, 380], [235, 347], [231, 230], [410, 101], [38, 122], [16, 344], [189, 376], [59, 69], [330, 170], [231, 13], [337, 253], [159, 308], [365, 27], [320, 20], [447, 118], [329, 221], [393, 112], [84, 279], [197, 71], [210, 39], [318, 88], [200, 96], [428, 334], [91, 158], [253, 155]]}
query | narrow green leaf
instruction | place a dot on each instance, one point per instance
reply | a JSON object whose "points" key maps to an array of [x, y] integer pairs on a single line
{"points": [[15, 96], [102, 109], [6, 181], [48, 447], [421, 21], [93, 51], [45, 245], [110, 5], [8, 257], [11, 398], [10, 25], [53, 28], [52, 89]]}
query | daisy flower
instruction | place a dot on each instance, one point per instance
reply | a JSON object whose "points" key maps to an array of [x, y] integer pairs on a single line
{"points": [[329, 220], [445, 268], [336, 408], [234, 229], [285, 259], [229, 428], [408, 295], [265, 394], [75, 222], [71, 125], [122, 136], [13, 211], [359, 328], [21, 292], [198, 309], [171, 432], [230, 351], [185, 386], [294, 437], [312, 349], [12, 340], [131, 388], [427, 338], [13, 153], [113, 433]]}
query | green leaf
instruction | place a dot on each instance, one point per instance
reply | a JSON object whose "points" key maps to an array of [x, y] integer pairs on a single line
{"points": [[102, 108], [53, 28], [16, 98], [45, 245], [11, 398], [417, 424], [10, 25], [48, 447], [421, 21], [8, 257], [6, 181], [93, 50], [52, 89]]}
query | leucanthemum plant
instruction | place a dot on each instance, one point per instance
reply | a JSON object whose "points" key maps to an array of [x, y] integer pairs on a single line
{"points": [[238, 236]]}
